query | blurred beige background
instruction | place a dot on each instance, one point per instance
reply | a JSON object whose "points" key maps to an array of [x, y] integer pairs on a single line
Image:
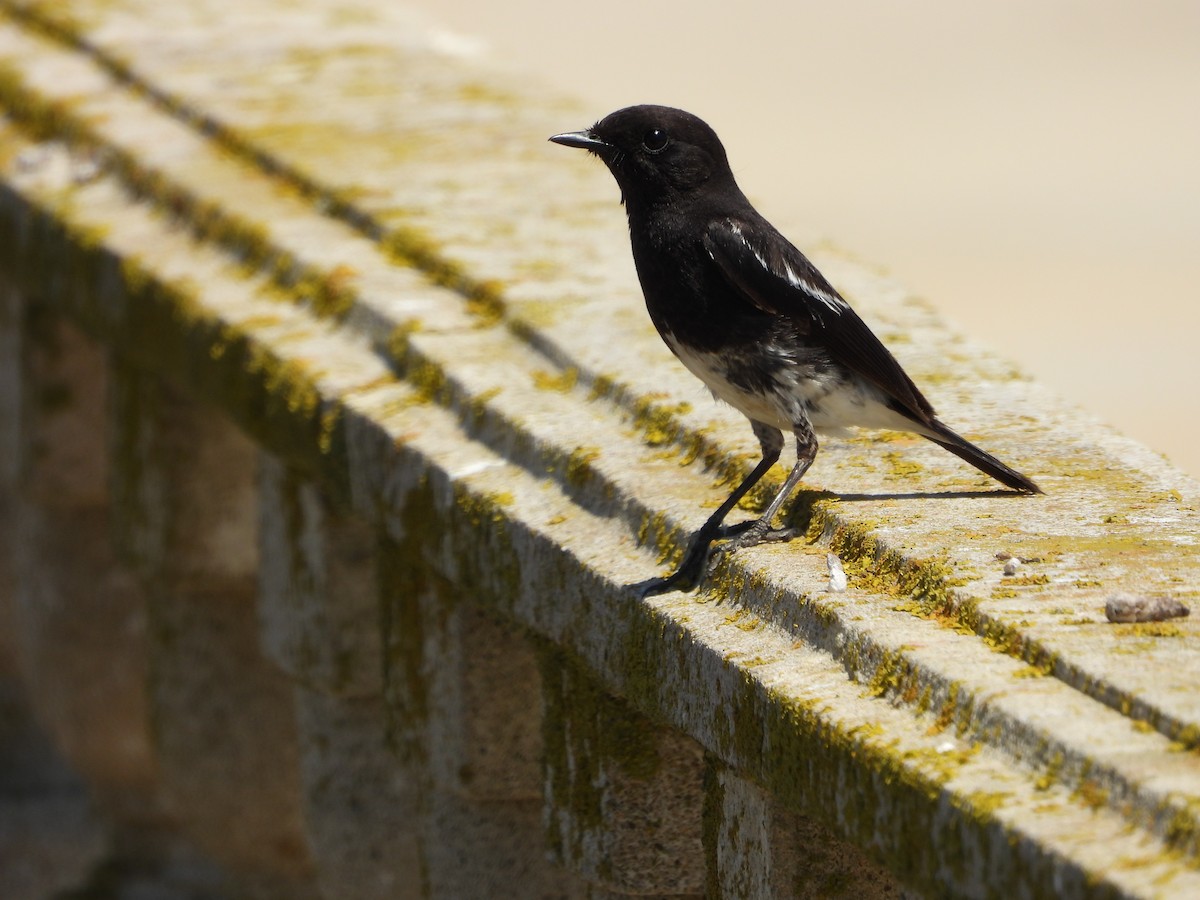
{"points": [[1032, 168]]}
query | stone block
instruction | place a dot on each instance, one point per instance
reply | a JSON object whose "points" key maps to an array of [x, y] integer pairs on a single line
{"points": [[758, 850], [361, 805], [80, 615], [463, 691], [224, 722], [464, 688], [624, 796], [319, 602]]}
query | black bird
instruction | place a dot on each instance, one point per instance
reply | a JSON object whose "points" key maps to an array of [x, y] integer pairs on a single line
{"points": [[750, 316]]}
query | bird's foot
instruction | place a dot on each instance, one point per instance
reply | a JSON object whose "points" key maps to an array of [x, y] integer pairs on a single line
{"points": [[758, 532], [701, 558], [693, 568]]}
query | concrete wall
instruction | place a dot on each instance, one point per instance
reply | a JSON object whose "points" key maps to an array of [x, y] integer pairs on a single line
{"points": [[333, 432]]}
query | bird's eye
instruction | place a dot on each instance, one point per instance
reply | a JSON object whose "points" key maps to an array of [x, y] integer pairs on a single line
{"points": [[654, 140]]}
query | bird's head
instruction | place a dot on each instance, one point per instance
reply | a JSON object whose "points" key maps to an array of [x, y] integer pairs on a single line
{"points": [[656, 153]]}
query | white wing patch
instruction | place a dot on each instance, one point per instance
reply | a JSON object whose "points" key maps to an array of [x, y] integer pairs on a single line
{"points": [[833, 302]]}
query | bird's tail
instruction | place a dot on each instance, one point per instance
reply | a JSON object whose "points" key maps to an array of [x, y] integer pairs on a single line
{"points": [[983, 461]]}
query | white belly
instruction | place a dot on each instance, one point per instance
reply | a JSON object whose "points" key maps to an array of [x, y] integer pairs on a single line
{"points": [[796, 393]]}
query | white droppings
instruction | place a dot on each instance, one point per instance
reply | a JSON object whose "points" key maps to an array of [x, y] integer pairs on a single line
{"points": [[475, 468], [837, 574]]}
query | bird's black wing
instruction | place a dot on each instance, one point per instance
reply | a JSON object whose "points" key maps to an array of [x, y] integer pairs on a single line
{"points": [[774, 276]]}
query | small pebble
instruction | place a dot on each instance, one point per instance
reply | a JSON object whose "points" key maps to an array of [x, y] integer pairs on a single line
{"points": [[837, 575], [1143, 608], [1011, 567]]}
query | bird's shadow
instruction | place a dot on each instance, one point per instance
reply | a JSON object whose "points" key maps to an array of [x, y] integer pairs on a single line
{"points": [[926, 495], [800, 515]]}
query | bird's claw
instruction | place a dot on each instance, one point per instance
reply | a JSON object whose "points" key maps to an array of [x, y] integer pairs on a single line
{"points": [[702, 558], [780, 535], [689, 574], [750, 537]]}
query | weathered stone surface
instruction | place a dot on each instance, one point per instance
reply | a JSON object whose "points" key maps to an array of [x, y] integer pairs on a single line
{"points": [[319, 595], [49, 833], [463, 691], [224, 723], [760, 850], [360, 802], [79, 618], [10, 469], [625, 798], [500, 407]]}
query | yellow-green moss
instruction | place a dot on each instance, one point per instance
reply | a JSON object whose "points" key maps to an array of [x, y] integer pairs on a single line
{"points": [[591, 741], [477, 406], [925, 584], [330, 420], [1148, 629], [430, 382], [658, 422], [1030, 672], [332, 294], [403, 582], [327, 293], [891, 673], [41, 119], [482, 509], [579, 464], [410, 247], [1188, 735], [1182, 832], [653, 532], [1050, 774], [481, 92], [984, 803], [948, 710], [603, 387], [562, 381], [1027, 580], [1090, 793], [398, 339], [901, 467], [288, 380]]}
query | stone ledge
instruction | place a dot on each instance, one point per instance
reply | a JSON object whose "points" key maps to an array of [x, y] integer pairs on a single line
{"points": [[1022, 671]]}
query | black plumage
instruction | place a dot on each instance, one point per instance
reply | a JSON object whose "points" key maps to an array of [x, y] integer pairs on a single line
{"points": [[750, 316]]}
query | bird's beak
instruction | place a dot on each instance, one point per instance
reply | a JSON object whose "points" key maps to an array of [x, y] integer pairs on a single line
{"points": [[584, 140]]}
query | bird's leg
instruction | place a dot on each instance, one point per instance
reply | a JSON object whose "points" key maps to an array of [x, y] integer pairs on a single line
{"points": [[688, 575], [759, 530]]}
